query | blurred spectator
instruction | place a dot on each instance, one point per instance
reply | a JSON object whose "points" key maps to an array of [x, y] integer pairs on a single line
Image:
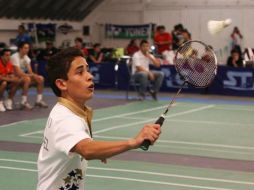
{"points": [[177, 36], [142, 74], [208, 54], [23, 36], [235, 59], [7, 79], [22, 66], [236, 37], [162, 39], [96, 56], [2, 46], [186, 36], [132, 47], [42, 60], [46, 53], [79, 44]]}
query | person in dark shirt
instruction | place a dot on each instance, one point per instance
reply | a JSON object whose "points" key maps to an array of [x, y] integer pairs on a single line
{"points": [[79, 44], [96, 56], [132, 47], [235, 59]]}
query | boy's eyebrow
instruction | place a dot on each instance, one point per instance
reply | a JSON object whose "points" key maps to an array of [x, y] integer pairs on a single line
{"points": [[82, 67]]}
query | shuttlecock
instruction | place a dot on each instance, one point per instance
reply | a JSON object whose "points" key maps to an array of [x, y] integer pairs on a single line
{"points": [[216, 26]]}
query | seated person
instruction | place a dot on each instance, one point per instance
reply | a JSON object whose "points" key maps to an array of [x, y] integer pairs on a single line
{"points": [[7, 79], [22, 66], [49, 51], [186, 36], [79, 44], [141, 72], [235, 59], [96, 56], [162, 39], [132, 47], [177, 36], [22, 36]]}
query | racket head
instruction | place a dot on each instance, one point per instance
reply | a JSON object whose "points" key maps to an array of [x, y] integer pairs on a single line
{"points": [[196, 63]]}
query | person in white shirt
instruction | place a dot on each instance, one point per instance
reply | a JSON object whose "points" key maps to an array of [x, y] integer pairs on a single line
{"points": [[22, 66], [68, 142], [141, 72]]}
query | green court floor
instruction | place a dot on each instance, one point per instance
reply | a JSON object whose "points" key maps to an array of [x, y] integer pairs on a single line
{"points": [[196, 129]]}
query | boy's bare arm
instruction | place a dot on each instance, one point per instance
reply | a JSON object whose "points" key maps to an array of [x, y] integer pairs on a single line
{"points": [[92, 149]]}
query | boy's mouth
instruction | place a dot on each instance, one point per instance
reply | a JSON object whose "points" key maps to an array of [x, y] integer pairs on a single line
{"points": [[91, 87]]}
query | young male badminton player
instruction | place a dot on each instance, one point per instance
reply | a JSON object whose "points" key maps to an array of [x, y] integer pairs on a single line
{"points": [[68, 143]]}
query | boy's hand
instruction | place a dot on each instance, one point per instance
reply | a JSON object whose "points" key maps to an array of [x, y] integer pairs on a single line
{"points": [[150, 132]]}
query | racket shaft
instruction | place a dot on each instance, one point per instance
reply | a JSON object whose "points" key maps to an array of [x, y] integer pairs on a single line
{"points": [[145, 145]]}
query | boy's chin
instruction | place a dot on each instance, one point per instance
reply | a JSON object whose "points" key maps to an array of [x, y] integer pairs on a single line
{"points": [[90, 96]]}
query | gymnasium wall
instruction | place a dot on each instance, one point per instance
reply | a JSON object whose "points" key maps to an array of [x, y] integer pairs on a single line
{"points": [[8, 30], [193, 16]]}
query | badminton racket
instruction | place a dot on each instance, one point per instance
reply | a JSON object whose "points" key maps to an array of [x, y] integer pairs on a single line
{"points": [[196, 63]]}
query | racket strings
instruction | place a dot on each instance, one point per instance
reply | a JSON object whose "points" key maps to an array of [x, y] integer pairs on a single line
{"points": [[196, 63]]}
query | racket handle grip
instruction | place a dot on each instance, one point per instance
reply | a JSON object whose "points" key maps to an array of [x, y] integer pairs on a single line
{"points": [[145, 145], [160, 120]]}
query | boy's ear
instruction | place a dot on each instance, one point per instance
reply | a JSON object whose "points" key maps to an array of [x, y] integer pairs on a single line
{"points": [[61, 84]]}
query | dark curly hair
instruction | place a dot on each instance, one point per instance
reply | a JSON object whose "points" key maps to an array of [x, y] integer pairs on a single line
{"points": [[59, 65]]}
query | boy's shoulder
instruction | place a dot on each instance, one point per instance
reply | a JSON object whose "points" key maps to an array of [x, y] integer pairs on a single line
{"points": [[59, 111]]}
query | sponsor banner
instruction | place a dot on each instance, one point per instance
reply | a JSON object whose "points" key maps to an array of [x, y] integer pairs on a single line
{"points": [[129, 31], [229, 81], [239, 80], [46, 32]]}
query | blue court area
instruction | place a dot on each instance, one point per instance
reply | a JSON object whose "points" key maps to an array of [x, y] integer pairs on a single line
{"points": [[205, 144]]}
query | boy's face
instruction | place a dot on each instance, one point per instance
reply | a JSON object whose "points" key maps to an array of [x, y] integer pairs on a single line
{"points": [[6, 56], [25, 49], [78, 44], [145, 47], [235, 56], [97, 49], [79, 86]]}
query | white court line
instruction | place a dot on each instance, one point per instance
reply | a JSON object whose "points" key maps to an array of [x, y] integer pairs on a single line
{"points": [[130, 124], [14, 123], [234, 109], [204, 149], [34, 137], [128, 179], [100, 119], [138, 172], [159, 182], [135, 118], [173, 175], [130, 113], [18, 161], [195, 121], [209, 144], [185, 143], [213, 123], [18, 169], [31, 133], [153, 119], [164, 141], [173, 120], [95, 120]]}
